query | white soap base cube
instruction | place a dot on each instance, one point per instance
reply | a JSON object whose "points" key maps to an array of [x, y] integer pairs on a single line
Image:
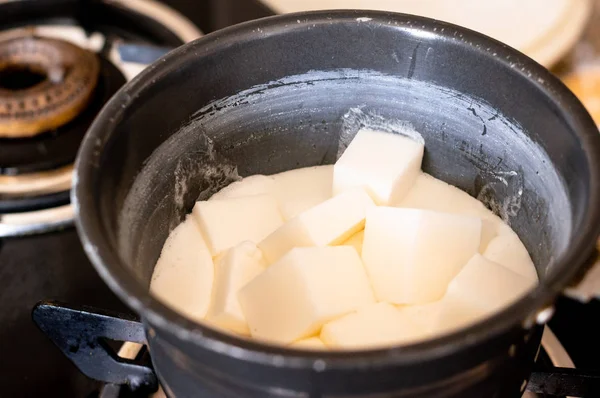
{"points": [[228, 222], [384, 164], [375, 326], [356, 241], [305, 289], [481, 289], [184, 273], [329, 223], [234, 269], [299, 190], [412, 255], [508, 250]]}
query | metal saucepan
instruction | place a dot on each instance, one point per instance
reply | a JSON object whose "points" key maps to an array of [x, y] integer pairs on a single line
{"points": [[290, 91]]}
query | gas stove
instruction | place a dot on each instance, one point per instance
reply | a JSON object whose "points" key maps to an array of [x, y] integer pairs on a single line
{"points": [[42, 124], [36, 170], [40, 254]]}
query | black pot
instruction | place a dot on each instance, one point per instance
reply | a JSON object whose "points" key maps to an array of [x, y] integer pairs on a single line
{"points": [[289, 91]]}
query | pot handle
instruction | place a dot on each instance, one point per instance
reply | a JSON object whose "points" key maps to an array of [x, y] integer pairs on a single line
{"points": [[81, 333], [587, 286]]}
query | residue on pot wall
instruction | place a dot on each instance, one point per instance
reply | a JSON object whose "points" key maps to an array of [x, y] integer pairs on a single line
{"points": [[186, 168], [205, 166], [503, 196], [503, 191], [356, 119]]}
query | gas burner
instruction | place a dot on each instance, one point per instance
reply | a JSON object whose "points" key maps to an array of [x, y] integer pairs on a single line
{"points": [[58, 67], [44, 84], [57, 146], [37, 153]]}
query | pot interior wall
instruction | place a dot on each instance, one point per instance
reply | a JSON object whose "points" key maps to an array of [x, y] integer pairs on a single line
{"points": [[295, 97]]}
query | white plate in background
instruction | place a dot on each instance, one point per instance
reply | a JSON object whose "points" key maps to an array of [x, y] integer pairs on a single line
{"points": [[543, 29]]}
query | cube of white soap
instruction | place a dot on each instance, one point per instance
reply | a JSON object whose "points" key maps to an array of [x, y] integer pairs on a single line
{"points": [[233, 270], [311, 343], [481, 288], [508, 250], [299, 190], [412, 255], [429, 193], [384, 164], [455, 314], [329, 223], [424, 315], [305, 289], [295, 190], [183, 275], [491, 227], [374, 326], [356, 241], [227, 222], [248, 186]]}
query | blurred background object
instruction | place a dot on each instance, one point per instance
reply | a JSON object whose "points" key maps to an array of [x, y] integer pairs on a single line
{"points": [[543, 29], [580, 69], [586, 85]]}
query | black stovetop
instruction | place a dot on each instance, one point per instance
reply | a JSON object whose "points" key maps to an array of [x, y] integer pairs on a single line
{"points": [[50, 266]]}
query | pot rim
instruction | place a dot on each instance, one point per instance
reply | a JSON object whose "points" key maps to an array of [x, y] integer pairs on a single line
{"points": [[108, 264]]}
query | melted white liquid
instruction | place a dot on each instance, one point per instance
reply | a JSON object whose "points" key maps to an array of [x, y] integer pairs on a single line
{"points": [[295, 190], [184, 273]]}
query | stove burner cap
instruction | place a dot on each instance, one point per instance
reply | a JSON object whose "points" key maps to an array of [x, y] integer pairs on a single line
{"points": [[44, 84]]}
